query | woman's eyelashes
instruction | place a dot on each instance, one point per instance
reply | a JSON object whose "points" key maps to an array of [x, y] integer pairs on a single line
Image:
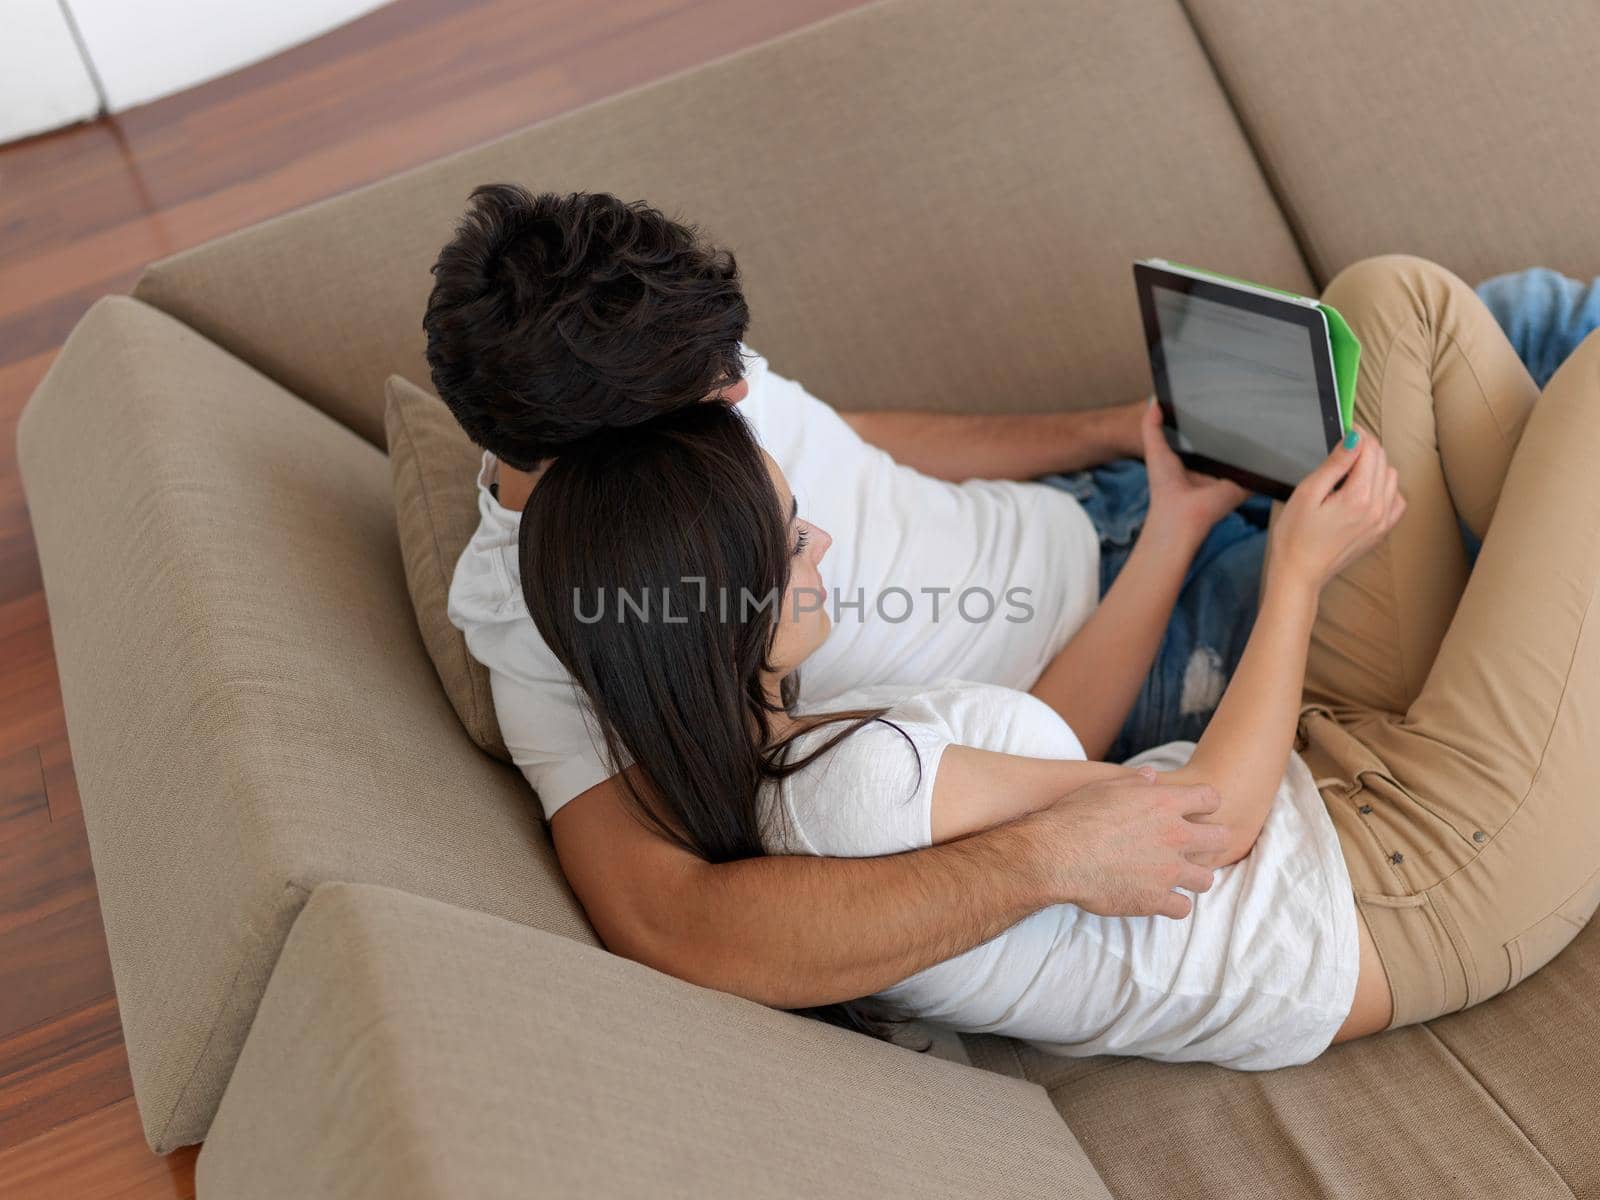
{"points": [[801, 538]]}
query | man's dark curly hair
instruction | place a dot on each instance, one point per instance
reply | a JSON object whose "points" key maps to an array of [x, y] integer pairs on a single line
{"points": [[555, 317]]}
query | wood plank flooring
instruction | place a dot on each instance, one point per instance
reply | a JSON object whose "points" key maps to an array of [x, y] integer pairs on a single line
{"points": [[81, 211]]}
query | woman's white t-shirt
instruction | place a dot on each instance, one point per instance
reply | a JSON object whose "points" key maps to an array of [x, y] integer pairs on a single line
{"points": [[1261, 974], [915, 565]]}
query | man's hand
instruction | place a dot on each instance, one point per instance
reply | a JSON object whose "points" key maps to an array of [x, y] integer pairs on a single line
{"points": [[795, 931], [1186, 502], [1120, 847]]}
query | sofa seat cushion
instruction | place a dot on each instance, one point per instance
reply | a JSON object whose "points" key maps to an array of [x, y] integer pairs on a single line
{"points": [[1459, 131], [1498, 1100], [934, 203], [435, 469]]}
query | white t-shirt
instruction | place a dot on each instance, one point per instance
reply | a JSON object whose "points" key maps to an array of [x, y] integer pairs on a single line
{"points": [[1261, 974], [1029, 548]]}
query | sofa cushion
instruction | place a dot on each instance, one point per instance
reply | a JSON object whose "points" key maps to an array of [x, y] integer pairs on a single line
{"points": [[934, 203], [1502, 1099], [435, 470], [1458, 131], [251, 708], [409, 1050]]}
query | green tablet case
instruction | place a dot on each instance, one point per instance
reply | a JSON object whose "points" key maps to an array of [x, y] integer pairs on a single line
{"points": [[1342, 341]]}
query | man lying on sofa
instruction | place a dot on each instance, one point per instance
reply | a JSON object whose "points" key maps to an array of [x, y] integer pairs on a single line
{"points": [[555, 318]]}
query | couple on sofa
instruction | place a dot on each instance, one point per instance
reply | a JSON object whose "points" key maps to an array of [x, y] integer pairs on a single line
{"points": [[840, 713]]}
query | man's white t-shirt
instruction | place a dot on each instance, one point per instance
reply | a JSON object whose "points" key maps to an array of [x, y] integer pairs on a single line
{"points": [[1261, 974], [927, 580]]}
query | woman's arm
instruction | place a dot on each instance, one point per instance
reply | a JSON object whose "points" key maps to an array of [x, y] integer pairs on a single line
{"points": [[1159, 848], [1246, 745], [1096, 677], [979, 789]]}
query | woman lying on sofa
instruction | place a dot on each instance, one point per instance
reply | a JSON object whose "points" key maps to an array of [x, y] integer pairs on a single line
{"points": [[1407, 756]]}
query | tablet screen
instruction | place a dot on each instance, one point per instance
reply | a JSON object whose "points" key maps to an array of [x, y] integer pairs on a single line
{"points": [[1243, 386]]}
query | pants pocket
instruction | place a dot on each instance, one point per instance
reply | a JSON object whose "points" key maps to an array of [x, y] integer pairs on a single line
{"points": [[1543, 940], [1421, 845]]}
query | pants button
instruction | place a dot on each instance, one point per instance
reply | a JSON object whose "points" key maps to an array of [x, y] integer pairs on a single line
{"points": [[1479, 835], [1397, 857], [1365, 810]]}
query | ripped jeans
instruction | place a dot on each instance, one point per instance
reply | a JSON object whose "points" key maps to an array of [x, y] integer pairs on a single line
{"points": [[1215, 611], [1544, 315]]}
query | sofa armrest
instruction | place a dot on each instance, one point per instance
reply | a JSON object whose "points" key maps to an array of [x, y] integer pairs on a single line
{"points": [[408, 1048], [251, 708]]}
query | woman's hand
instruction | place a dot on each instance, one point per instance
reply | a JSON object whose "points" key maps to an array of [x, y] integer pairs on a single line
{"points": [[1321, 530], [1314, 536], [1182, 500]]}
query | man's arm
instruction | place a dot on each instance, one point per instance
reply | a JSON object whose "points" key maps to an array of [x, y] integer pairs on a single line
{"points": [[961, 446], [796, 931]]}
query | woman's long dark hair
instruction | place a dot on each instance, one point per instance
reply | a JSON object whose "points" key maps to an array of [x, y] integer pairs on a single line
{"points": [[654, 561]]}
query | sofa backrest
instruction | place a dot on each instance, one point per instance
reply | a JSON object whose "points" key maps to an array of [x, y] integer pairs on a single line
{"points": [[934, 204], [1463, 132]]}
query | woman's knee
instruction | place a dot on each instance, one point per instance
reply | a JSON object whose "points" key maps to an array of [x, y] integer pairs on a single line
{"points": [[1386, 280]]}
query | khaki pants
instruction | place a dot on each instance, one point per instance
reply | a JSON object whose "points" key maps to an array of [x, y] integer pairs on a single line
{"points": [[1453, 722]]}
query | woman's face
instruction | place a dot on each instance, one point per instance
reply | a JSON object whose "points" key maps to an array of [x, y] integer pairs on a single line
{"points": [[802, 620]]}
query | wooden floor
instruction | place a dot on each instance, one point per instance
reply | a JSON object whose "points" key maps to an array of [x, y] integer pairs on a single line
{"points": [[81, 211]]}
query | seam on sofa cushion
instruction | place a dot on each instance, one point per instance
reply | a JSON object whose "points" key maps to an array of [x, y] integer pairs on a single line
{"points": [[1297, 226], [438, 553], [1012, 1047], [1016, 1059], [1467, 1070], [1114, 1062], [245, 957]]}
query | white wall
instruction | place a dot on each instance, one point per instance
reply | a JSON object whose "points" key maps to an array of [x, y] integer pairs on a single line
{"points": [[145, 49], [43, 82]]}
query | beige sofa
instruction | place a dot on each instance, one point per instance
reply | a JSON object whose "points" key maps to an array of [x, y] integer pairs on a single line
{"points": [[337, 928]]}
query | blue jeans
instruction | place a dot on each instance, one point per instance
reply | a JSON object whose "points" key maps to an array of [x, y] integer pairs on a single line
{"points": [[1545, 316]]}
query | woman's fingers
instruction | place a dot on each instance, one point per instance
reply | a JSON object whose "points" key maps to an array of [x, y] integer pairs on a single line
{"points": [[1365, 476], [1388, 486], [1317, 485], [1397, 504], [1362, 501]]}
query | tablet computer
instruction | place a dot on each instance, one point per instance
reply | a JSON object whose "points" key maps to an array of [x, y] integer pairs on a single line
{"points": [[1245, 375]]}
